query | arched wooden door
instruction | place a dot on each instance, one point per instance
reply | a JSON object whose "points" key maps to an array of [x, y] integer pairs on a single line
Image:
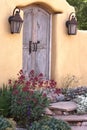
{"points": [[36, 41]]}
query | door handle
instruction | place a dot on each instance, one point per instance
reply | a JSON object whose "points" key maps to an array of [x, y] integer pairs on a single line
{"points": [[33, 46], [36, 45], [30, 42]]}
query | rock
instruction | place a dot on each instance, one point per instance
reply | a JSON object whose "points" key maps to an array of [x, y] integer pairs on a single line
{"points": [[63, 106], [84, 124], [79, 127], [60, 97], [56, 97], [72, 118], [52, 97], [57, 112], [20, 129], [48, 112], [79, 124], [66, 113]]}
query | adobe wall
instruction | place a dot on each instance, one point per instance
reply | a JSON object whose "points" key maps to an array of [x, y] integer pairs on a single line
{"points": [[69, 53]]}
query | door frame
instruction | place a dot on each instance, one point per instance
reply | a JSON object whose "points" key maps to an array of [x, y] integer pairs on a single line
{"points": [[50, 49]]}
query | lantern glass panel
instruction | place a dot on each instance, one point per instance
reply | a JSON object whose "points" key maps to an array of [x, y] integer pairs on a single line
{"points": [[19, 26], [12, 26], [16, 27], [72, 29]]}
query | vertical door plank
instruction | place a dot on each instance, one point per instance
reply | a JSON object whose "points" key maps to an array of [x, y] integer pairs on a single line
{"points": [[43, 35], [27, 36]]}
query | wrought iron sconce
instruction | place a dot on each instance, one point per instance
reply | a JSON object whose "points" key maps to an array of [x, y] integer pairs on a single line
{"points": [[71, 24], [15, 21]]}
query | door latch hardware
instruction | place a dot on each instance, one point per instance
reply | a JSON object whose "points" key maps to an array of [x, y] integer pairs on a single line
{"points": [[33, 46]]}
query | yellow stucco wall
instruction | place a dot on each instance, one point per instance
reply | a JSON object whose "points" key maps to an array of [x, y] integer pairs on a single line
{"points": [[69, 53]]}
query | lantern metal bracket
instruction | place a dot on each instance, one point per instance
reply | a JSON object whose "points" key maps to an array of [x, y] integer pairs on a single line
{"points": [[11, 17], [16, 8]]}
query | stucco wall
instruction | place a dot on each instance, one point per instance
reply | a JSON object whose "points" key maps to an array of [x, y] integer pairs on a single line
{"points": [[69, 53]]}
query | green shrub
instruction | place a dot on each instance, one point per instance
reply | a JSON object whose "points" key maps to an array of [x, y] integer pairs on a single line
{"points": [[5, 100], [49, 124], [28, 106], [4, 123]]}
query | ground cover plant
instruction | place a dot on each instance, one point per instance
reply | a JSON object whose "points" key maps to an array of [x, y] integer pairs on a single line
{"points": [[5, 100], [49, 124], [5, 124], [72, 93], [81, 101], [78, 95]]}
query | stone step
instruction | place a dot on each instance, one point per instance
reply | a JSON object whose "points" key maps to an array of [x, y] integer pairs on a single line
{"points": [[20, 129], [63, 106], [79, 127], [73, 128], [72, 118]]}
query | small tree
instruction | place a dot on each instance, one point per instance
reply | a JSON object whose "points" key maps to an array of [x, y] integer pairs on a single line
{"points": [[81, 9]]}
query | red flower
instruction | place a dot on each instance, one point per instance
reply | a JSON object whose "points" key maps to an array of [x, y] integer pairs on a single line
{"points": [[31, 91], [48, 86], [28, 83], [36, 78], [46, 83], [41, 84], [21, 71], [15, 92], [31, 79], [22, 77], [9, 81], [44, 94], [16, 82], [14, 86], [52, 83], [40, 75], [58, 91], [32, 73], [25, 89]]}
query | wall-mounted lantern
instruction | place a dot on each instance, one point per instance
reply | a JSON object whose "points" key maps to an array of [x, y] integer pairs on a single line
{"points": [[15, 21], [71, 24]]}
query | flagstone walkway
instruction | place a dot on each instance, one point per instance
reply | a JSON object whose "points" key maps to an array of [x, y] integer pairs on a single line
{"points": [[79, 128], [64, 110]]}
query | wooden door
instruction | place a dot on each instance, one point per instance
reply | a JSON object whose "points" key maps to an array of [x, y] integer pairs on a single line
{"points": [[36, 41]]}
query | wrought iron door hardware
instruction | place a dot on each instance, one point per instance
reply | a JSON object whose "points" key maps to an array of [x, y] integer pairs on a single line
{"points": [[33, 46]]}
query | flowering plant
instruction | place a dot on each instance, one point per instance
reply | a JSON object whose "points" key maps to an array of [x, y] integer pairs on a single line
{"points": [[29, 97], [34, 82], [81, 101]]}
